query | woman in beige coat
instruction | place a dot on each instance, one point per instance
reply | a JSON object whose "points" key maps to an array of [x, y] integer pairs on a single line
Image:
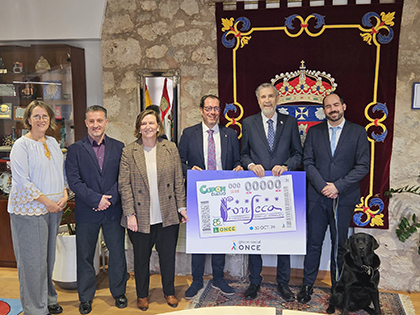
{"points": [[153, 200]]}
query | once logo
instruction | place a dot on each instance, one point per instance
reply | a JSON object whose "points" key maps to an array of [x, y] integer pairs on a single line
{"points": [[246, 247], [224, 229]]}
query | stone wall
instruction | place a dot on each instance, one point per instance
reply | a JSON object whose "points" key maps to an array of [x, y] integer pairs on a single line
{"points": [[181, 34], [168, 34]]}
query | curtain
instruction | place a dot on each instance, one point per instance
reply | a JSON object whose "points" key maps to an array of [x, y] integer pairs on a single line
{"points": [[307, 52]]}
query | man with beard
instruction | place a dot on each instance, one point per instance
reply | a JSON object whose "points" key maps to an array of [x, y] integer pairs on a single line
{"points": [[336, 157], [270, 141]]}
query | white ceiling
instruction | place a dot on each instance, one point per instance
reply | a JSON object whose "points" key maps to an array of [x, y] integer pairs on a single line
{"points": [[51, 19]]}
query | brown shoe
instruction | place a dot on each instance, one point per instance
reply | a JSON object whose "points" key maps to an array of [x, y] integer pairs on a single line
{"points": [[172, 300], [143, 303]]}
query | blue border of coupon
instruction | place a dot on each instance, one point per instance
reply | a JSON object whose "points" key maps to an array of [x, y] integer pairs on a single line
{"points": [[291, 242]]}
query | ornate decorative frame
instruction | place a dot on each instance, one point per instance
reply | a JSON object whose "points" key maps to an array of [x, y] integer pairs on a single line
{"points": [[175, 76]]}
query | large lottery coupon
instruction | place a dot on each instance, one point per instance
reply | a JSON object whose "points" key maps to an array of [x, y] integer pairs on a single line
{"points": [[246, 205]]}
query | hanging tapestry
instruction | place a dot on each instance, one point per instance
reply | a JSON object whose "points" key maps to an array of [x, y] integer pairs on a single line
{"points": [[307, 52]]}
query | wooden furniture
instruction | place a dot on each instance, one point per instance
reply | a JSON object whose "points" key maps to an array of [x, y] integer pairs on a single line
{"points": [[54, 74], [7, 256]]}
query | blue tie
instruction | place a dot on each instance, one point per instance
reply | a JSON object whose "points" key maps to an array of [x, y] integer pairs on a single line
{"points": [[333, 139], [270, 134]]}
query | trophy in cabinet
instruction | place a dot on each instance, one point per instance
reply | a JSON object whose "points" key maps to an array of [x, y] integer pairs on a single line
{"points": [[2, 68], [27, 91], [7, 140], [17, 67], [42, 65]]}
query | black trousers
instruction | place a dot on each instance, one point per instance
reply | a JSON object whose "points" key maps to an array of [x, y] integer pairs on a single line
{"points": [[86, 239], [198, 262], [165, 240], [319, 217], [255, 268]]}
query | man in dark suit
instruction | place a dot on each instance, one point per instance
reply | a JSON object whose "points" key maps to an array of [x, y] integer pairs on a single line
{"points": [[270, 141], [336, 157], [92, 167], [209, 146]]}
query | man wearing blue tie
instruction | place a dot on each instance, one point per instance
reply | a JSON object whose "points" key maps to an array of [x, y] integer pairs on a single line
{"points": [[209, 146], [336, 157], [270, 141]]}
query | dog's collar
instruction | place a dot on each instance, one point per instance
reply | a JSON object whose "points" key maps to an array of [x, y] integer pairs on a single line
{"points": [[369, 270]]}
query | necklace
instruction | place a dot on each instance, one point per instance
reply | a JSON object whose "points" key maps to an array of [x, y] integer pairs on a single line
{"points": [[47, 152]]}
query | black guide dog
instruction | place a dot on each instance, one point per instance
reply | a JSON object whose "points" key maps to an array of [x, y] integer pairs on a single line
{"points": [[357, 287]]}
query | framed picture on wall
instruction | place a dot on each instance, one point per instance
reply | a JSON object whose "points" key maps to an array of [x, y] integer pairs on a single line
{"points": [[57, 112], [18, 112], [52, 90], [7, 90]]}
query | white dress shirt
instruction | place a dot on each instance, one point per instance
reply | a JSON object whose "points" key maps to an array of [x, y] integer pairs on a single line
{"points": [[337, 133], [151, 165], [218, 146]]}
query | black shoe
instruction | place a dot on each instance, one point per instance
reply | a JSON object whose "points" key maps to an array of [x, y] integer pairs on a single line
{"points": [[222, 285], [304, 295], [120, 301], [285, 292], [85, 307], [252, 291], [193, 289], [55, 309]]}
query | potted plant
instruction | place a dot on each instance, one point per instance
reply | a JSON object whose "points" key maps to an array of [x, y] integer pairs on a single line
{"points": [[408, 224]]}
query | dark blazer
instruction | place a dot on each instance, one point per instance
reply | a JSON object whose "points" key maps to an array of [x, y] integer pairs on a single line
{"points": [[191, 148], [134, 184], [89, 184], [348, 166], [287, 149]]}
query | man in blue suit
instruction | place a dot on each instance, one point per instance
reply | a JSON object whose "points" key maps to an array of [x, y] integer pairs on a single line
{"points": [[92, 167], [336, 157], [270, 141], [209, 146]]}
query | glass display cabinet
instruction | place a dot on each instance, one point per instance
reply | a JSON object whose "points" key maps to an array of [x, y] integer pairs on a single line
{"points": [[54, 74]]}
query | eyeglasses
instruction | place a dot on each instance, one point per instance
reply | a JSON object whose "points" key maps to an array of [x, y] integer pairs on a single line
{"points": [[208, 109], [38, 117]]}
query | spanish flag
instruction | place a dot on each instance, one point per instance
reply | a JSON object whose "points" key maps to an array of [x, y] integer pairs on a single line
{"points": [[147, 99]]}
